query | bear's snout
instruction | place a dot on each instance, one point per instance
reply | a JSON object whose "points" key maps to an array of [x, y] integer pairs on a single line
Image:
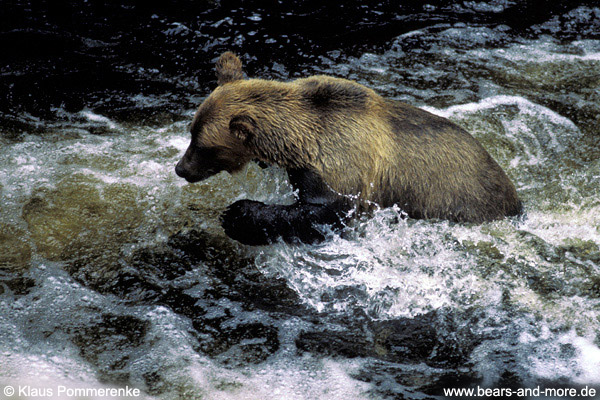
{"points": [[195, 171], [179, 170], [184, 172]]}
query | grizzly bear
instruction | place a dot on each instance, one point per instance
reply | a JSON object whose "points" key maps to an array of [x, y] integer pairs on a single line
{"points": [[345, 149]]}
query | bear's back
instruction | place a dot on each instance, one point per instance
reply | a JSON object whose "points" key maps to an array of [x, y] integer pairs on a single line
{"points": [[390, 153]]}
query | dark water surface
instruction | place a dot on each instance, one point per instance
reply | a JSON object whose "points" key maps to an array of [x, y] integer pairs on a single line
{"points": [[114, 272]]}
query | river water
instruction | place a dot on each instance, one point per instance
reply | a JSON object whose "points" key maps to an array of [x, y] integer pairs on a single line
{"points": [[114, 272]]}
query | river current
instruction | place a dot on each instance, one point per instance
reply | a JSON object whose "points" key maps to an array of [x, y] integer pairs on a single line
{"points": [[114, 272]]}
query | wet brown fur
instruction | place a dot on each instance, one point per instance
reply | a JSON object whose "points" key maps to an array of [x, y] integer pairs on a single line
{"points": [[359, 143]]}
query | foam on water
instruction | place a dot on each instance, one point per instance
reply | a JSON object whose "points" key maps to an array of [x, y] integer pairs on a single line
{"points": [[388, 270], [42, 357], [525, 106], [555, 228], [304, 378], [589, 359], [584, 369], [91, 116], [550, 52], [179, 143]]}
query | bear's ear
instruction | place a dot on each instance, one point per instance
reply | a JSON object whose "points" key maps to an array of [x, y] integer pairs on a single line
{"points": [[229, 68], [243, 127]]}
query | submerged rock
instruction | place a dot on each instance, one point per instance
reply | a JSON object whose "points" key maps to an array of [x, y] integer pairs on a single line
{"points": [[583, 249], [109, 343], [15, 251], [431, 338], [212, 297], [82, 216], [246, 343], [331, 343], [18, 286], [390, 381]]}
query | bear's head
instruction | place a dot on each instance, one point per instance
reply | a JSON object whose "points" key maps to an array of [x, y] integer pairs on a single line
{"points": [[221, 127]]}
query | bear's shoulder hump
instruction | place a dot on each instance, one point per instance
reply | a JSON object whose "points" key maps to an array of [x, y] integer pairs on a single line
{"points": [[325, 92]]}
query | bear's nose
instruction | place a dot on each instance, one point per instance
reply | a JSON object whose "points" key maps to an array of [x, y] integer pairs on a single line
{"points": [[179, 170]]}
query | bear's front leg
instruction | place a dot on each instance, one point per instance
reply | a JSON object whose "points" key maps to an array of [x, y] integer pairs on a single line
{"points": [[255, 223]]}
